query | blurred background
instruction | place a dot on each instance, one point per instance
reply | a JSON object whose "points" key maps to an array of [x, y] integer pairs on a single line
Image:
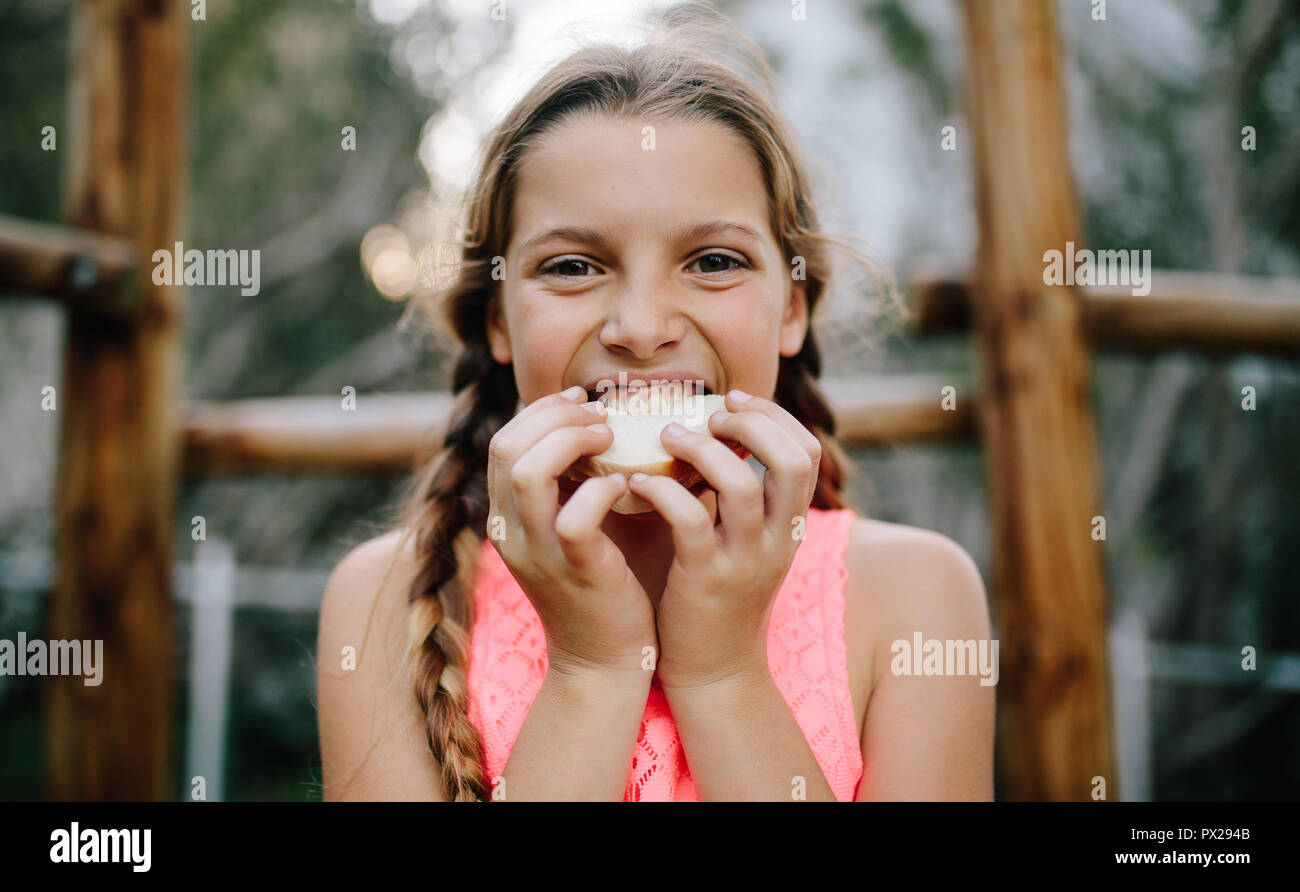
{"points": [[1200, 497]]}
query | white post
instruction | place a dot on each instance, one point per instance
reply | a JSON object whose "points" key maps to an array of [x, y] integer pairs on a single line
{"points": [[213, 582], [1130, 685]]}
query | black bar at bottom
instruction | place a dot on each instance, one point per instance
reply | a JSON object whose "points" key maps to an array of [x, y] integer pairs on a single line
{"points": [[270, 841]]}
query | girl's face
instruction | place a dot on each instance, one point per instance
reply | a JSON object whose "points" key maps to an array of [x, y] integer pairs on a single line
{"points": [[638, 259]]}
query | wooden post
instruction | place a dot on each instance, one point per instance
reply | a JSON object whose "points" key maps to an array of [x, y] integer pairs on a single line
{"points": [[1036, 414], [118, 401]]}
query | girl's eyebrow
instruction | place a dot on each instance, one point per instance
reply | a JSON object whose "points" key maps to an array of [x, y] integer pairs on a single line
{"points": [[717, 227], [602, 240], [580, 234]]}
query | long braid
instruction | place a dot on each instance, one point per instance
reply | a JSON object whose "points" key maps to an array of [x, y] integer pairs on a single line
{"points": [[452, 520]]}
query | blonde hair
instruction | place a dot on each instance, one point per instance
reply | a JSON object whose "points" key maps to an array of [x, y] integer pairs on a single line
{"points": [[679, 74]]}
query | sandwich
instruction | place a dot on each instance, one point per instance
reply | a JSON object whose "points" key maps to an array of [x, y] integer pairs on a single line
{"points": [[637, 422]]}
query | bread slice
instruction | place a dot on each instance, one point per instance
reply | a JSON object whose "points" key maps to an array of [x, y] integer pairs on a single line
{"points": [[637, 447]]}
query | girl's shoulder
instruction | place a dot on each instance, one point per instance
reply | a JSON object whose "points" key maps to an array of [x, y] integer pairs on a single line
{"points": [[372, 575], [902, 580], [893, 556], [369, 588], [929, 738]]}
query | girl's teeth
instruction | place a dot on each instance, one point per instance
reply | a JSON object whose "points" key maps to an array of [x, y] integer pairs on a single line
{"points": [[660, 398]]}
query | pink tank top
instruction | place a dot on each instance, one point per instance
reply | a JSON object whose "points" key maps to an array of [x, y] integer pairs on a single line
{"points": [[806, 654]]}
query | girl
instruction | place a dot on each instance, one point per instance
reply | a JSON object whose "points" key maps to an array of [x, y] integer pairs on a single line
{"points": [[643, 211]]}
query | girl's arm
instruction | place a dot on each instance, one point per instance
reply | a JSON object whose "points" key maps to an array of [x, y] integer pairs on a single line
{"points": [[743, 743], [578, 739], [372, 737], [925, 737], [575, 744]]}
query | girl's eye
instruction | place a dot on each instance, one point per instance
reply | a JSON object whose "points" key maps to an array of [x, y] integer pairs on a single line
{"points": [[569, 267], [715, 263]]}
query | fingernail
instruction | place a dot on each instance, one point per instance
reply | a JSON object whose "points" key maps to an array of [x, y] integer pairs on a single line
{"points": [[618, 479], [739, 396], [595, 407], [573, 393], [674, 429], [601, 428], [638, 477], [720, 416]]}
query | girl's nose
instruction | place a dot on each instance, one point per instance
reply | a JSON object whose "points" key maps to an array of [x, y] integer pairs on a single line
{"points": [[643, 320]]}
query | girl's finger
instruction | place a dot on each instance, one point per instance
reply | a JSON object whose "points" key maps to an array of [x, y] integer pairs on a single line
{"points": [[740, 493], [520, 434], [791, 476], [508, 446], [573, 396], [577, 526], [694, 538], [498, 449], [533, 483], [788, 422]]}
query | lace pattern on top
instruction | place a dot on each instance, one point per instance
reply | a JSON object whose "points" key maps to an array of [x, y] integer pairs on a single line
{"points": [[806, 652]]}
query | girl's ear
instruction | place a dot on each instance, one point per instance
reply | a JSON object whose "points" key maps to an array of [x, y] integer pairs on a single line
{"points": [[794, 325], [498, 336]]}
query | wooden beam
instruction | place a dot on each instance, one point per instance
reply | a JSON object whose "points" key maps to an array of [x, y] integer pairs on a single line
{"points": [[385, 433], [392, 433], [118, 445], [90, 273], [885, 410], [1211, 313], [1049, 582], [1208, 312]]}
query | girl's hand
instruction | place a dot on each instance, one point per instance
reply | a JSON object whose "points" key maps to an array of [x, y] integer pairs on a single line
{"points": [[595, 612], [713, 616]]}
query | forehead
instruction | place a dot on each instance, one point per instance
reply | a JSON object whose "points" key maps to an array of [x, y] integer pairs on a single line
{"points": [[594, 171]]}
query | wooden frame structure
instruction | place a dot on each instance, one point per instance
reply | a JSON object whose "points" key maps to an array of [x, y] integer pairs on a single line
{"points": [[124, 440]]}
